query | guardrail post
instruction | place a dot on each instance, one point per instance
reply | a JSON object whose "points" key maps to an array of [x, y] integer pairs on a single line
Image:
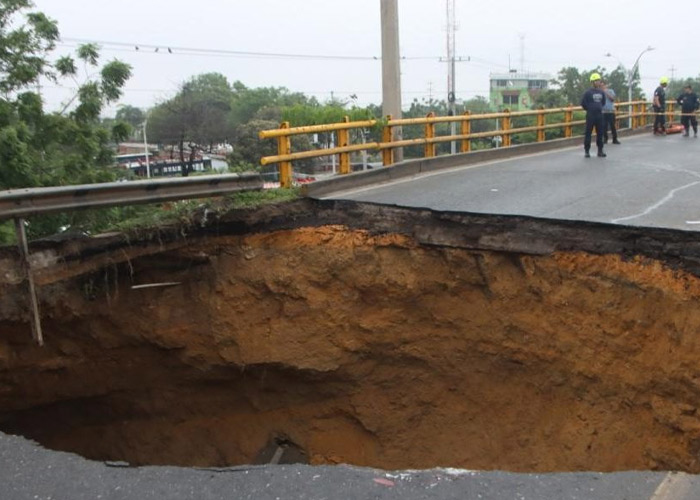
{"points": [[568, 118], [639, 112], [644, 113], [634, 119], [466, 129], [540, 124], [34, 317], [505, 126], [429, 150], [388, 153], [670, 109], [284, 147], [343, 141]]}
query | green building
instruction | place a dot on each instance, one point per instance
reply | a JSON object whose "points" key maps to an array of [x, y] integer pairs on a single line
{"points": [[516, 90]]}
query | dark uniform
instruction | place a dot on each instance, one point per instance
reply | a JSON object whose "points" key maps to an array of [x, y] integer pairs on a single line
{"points": [[689, 105], [660, 117], [592, 101]]}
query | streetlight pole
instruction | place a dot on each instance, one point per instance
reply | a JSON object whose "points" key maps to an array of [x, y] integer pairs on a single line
{"points": [[145, 149], [630, 79]]}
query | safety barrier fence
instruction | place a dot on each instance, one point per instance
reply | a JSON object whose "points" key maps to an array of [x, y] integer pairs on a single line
{"points": [[636, 113]]}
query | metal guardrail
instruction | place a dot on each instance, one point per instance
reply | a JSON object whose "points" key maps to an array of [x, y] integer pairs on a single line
{"points": [[637, 112], [21, 203]]}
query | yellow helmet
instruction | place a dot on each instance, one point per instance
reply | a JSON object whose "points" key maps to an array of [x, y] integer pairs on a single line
{"points": [[595, 77], [664, 79]]}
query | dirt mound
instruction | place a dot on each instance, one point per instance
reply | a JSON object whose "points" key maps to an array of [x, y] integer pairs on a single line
{"points": [[331, 343]]}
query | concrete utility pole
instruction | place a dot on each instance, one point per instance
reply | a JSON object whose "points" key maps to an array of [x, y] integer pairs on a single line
{"points": [[451, 96], [391, 67]]}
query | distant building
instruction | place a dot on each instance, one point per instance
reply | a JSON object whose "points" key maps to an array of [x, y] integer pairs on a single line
{"points": [[516, 91], [126, 148]]}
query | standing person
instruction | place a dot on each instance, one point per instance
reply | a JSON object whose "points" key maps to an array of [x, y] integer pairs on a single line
{"points": [[593, 101], [659, 107], [689, 103], [609, 113]]}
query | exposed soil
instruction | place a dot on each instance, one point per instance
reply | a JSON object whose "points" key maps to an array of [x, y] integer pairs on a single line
{"points": [[351, 333]]}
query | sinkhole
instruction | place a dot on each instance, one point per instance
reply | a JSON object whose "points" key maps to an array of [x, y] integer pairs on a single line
{"points": [[401, 346]]}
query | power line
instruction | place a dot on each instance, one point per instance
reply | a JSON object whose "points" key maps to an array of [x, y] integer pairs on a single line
{"points": [[359, 92], [194, 51]]}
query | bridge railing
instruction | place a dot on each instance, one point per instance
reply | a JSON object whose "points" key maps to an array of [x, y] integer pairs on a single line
{"points": [[566, 118]]}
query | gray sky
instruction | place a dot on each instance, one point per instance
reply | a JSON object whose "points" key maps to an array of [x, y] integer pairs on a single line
{"points": [[556, 34]]}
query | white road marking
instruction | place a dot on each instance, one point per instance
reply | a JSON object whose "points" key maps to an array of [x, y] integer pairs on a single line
{"points": [[675, 486]]}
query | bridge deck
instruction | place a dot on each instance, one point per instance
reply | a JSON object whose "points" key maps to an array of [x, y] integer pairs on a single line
{"points": [[645, 181]]}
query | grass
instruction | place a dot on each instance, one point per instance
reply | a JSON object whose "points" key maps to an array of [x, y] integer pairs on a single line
{"points": [[188, 213], [142, 218]]}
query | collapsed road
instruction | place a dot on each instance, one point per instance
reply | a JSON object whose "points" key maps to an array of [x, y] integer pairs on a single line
{"points": [[339, 332]]}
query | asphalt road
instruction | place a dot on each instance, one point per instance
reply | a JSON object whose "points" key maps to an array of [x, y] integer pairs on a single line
{"points": [[29, 472], [645, 181]]}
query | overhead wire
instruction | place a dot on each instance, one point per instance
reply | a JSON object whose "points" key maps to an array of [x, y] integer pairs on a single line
{"points": [[164, 49]]}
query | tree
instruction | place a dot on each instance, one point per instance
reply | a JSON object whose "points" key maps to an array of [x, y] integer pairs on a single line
{"points": [[249, 148], [197, 115], [571, 83], [247, 102], [23, 50], [132, 115], [45, 149], [676, 86]]}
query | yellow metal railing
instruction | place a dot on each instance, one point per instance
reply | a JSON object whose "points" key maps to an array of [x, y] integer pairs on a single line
{"points": [[638, 111]]}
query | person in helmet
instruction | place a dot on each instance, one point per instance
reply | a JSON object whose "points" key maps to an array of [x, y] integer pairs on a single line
{"points": [[659, 107], [689, 105], [593, 101]]}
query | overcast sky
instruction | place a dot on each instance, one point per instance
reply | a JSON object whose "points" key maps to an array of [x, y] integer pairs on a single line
{"points": [[556, 34]]}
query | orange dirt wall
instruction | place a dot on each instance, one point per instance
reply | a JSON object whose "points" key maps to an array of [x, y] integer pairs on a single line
{"points": [[365, 349]]}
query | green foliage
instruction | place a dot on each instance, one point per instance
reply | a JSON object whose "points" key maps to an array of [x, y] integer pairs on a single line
{"points": [[114, 75], [551, 98], [571, 83], [130, 114], [676, 86], [48, 149], [247, 102], [249, 148], [7, 233], [303, 114], [121, 131], [197, 114], [190, 213], [23, 47], [251, 199], [65, 65], [89, 53]]}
